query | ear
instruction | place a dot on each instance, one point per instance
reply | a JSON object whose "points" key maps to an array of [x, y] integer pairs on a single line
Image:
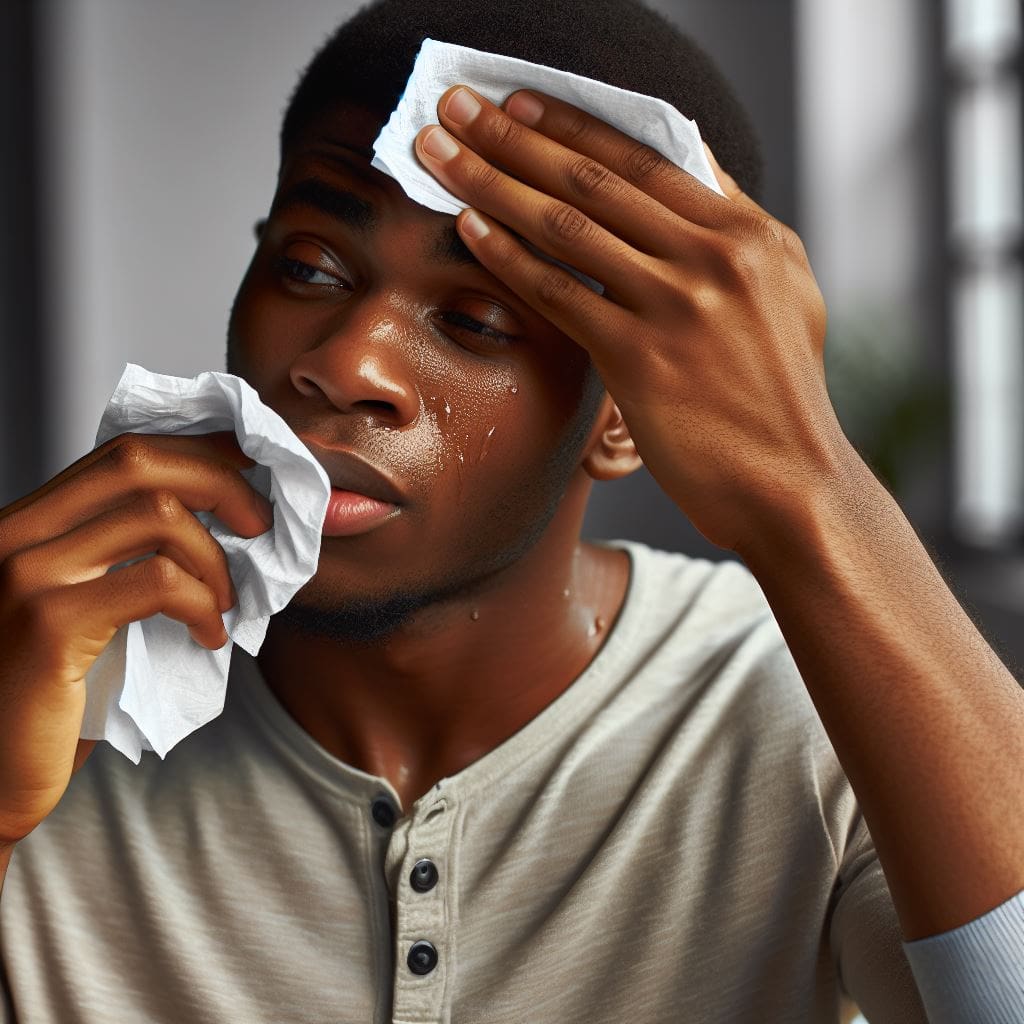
{"points": [[610, 453]]}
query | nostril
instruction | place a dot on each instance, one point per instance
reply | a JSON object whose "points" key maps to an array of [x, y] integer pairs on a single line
{"points": [[372, 405]]}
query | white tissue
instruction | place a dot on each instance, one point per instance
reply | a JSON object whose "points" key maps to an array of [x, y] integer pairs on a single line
{"points": [[441, 65], [153, 685]]}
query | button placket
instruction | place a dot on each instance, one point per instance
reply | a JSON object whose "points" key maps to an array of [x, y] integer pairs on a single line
{"points": [[422, 915]]}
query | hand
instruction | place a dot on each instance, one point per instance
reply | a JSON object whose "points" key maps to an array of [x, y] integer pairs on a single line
{"points": [[710, 333], [60, 606]]}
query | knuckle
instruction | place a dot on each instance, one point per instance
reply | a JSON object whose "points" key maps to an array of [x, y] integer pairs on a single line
{"points": [[504, 131], [163, 574], [705, 300], [587, 178], [769, 231], [15, 574], [744, 263], [555, 288], [793, 243], [163, 506], [564, 223], [131, 456], [643, 162], [575, 128], [481, 175], [507, 258]]}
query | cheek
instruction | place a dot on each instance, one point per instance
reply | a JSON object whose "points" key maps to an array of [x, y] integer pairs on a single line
{"points": [[502, 428], [474, 410], [257, 332]]}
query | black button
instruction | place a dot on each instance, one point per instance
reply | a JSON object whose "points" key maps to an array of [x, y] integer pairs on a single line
{"points": [[423, 876], [422, 957], [383, 812]]}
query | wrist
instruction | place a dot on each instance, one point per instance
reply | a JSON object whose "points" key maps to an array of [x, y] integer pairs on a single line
{"points": [[817, 510]]}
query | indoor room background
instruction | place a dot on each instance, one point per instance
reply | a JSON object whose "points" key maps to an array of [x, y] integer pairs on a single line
{"points": [[139, 148]]}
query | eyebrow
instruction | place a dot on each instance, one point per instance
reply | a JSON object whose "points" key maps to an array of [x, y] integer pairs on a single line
{"points": [[339, 204], [353, 211]]}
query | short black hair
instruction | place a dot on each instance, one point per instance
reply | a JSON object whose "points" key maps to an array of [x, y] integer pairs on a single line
{"points": [[368, 59]]}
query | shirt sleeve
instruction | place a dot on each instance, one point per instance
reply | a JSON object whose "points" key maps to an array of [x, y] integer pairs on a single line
{"points": [[974, 973]]}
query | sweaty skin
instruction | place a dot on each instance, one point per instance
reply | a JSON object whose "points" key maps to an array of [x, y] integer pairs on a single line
{"points": [[710, 339], [355, 327], [459, 367]]}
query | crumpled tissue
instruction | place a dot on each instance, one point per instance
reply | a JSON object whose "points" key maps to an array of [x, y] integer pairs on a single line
{"points": [[441, 65], [153, 685]]}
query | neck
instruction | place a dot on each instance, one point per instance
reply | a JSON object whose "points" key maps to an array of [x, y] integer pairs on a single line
{"points": [[459, 677]]}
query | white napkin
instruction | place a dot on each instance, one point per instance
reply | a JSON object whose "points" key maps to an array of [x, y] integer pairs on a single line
{"points": [[441, 65], [153, 685]]}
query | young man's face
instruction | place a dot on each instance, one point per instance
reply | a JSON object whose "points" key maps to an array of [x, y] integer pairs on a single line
{"points": [[370, 328]]}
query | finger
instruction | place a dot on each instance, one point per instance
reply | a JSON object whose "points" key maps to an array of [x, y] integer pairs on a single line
{"points": [[221, 445], [153, 522], [580, 313], [80, 620], [729, 186], [637, 163], [558, 170], [132, 464], [82, 752], [555, 227]]}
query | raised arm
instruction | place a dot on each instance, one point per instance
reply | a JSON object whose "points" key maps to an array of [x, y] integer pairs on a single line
{"points": [[710, 337]]}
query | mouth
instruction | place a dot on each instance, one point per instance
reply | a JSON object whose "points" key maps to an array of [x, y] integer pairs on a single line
{"points": [[362, 496]]}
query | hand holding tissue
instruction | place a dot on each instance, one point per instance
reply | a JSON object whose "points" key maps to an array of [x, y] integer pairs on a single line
{"points": [[441, 65], [709, 328], [153, 684]]}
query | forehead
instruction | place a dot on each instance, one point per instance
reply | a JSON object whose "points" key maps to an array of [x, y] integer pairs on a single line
{"points": [[327, 168]]}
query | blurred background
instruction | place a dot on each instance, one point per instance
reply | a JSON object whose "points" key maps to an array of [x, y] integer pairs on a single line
{"points": [[139, 148]]}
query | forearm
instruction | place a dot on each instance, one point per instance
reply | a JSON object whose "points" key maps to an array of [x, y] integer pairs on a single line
{"points": [[928, 724]]}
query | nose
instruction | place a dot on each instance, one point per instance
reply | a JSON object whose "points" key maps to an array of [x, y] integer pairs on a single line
{"points": [[364, 364]]}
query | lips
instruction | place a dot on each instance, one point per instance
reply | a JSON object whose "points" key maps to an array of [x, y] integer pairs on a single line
{"points": [[349, 472], [362, 496]]}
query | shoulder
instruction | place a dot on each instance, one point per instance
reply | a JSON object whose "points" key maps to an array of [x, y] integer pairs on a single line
{"points": [[712, 673]]}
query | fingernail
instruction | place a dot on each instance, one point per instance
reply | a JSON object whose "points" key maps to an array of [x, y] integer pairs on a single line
{"points": [[461, 107], [440, 145], [474, 225], [525, 107]]}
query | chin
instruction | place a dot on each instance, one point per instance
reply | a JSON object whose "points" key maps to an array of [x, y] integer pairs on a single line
{"points": [[354, 621]]}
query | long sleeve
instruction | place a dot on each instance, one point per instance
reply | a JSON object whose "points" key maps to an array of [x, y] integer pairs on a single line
{"points": [[974, 973]]}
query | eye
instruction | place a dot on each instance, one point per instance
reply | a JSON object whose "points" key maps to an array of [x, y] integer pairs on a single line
{"points": [[462, 320], [305, 273], [482, 322], [303, 265]]}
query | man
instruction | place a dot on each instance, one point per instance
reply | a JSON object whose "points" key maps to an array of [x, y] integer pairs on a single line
{"points": [[482, 771]]}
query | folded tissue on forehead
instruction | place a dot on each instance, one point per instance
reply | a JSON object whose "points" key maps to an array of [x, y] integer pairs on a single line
{"points": [[441, 65]]}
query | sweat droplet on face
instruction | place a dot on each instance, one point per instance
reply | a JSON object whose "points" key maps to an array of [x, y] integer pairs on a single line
{"points": [[486, 446], [474, 615]]}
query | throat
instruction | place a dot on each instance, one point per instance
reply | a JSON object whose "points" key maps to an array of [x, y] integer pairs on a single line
{"points": [[454, 680]]}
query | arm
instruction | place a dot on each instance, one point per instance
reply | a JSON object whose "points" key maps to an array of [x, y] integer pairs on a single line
{"points": [[710, 338], [927, 723], [60, 604]]}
